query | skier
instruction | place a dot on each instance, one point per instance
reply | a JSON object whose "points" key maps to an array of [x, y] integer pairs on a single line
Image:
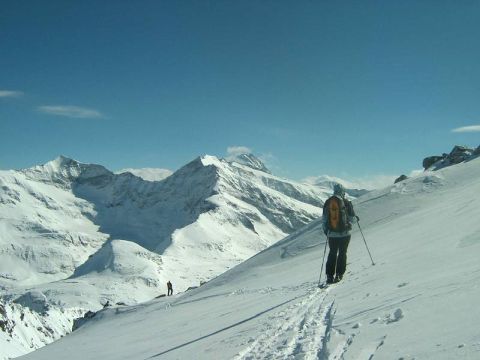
{"points": [[338, 217], [170, 288]]}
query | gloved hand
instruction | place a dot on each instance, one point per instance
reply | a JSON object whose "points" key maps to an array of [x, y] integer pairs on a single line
{"points": [[325, 231], [358, 219]]}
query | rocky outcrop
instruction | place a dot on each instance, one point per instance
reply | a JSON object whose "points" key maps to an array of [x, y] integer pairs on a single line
{"points": [[82, 320], [458, 154], [476, 152], [429, 161], [34, 300], [401, 178]]}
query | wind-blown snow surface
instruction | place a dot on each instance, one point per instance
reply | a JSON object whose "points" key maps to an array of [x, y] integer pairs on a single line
{"points": [[74, 236], [418, 301]]}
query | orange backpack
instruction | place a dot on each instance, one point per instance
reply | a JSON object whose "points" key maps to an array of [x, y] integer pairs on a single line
{"points": [[337, 215]]}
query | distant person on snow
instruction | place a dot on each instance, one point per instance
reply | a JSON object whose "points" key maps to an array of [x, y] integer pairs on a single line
{"points": [[338, 217], [170, 288]]}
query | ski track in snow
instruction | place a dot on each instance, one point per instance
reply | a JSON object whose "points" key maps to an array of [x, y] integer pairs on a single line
{"points": [[297, 332]]}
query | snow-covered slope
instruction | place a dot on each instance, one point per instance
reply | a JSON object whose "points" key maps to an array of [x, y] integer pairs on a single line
{"points": [[80, 235], [417, 302], [45, 230]]}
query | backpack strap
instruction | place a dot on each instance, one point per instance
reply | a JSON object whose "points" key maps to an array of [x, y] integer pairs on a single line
{"points": [[349, 207]]}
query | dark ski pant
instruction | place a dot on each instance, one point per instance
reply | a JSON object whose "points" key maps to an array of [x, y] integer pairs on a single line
{"points": [[337, 257], [170, 291]]}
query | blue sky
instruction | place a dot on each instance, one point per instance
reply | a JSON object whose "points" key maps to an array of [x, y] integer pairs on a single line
{"points": [[351, 88]]}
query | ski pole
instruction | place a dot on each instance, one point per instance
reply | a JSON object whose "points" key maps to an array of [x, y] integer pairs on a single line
{"points": [[323, 261], [361, 232]]}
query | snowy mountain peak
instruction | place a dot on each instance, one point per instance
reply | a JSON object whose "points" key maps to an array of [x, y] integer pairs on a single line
{"points": [[251, 161], [60, 165], [62, 162], [207, 160], [64, 170]]}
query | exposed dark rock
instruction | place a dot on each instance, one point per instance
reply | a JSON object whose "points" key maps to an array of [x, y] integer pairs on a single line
{"points": [[401, 178], [460, 149], [458, 154], [80, 321], [6, 325], [34, 300], [429, 161]]}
